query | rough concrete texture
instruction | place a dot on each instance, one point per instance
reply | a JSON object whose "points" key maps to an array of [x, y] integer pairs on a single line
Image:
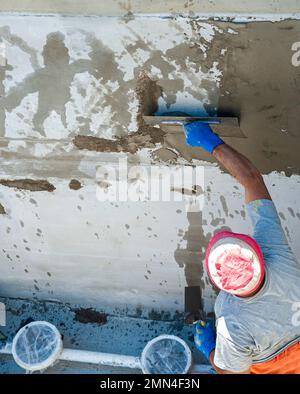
{"points": [[73, 94]]}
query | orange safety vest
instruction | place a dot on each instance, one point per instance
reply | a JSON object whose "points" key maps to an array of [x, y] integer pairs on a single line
{"points": [[286, 362]]}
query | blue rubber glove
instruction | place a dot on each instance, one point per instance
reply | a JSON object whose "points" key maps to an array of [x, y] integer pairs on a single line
{"points": [[205, 338], [200, 134]]}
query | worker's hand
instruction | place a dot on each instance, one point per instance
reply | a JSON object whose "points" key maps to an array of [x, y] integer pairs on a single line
{"points": [[205, 338], [200, 134]]}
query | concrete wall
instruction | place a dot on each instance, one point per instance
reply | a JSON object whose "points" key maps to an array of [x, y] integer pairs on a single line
{"points": [[67, 76], [119, 8]]}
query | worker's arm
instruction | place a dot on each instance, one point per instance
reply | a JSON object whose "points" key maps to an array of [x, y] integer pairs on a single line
{"points": [[268, 230], [244, 171], [200, 134]]}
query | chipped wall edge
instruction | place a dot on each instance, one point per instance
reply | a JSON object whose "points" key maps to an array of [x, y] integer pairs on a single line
{"points": [[203, 16], [238, 10]]}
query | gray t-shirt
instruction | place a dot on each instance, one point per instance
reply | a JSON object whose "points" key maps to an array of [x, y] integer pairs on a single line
{"points": [[253, 330]]}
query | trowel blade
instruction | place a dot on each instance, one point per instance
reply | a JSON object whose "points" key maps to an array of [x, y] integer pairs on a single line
{"points": [[224, 126]]}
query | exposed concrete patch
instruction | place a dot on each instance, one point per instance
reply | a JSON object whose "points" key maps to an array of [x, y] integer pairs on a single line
{"points": [[165, 155], [2, 210], [52, 96], [75, 184], [28, 184], [104, 145], [148, 93], [90, 315], [112, 93]]}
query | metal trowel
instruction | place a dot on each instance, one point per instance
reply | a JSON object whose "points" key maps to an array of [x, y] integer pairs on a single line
{"points": [[172, 123]]}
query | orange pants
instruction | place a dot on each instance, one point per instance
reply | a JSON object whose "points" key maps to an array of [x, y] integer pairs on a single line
{"points": [[285, 362]]}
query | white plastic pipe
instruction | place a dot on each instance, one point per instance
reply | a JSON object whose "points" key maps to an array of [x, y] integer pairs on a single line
{"points": [[114, 360], [86, 356]]}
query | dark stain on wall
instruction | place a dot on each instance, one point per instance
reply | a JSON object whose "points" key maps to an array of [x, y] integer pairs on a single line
{"points": [[28, 184], [75, 184], [90, 315], [192, 257]]}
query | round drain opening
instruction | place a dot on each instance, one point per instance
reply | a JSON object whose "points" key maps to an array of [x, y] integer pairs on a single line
{"points": [[37, 346], [166, 354]]}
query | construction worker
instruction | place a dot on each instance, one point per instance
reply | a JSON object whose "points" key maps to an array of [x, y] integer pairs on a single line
{"points": [[258, 308]]}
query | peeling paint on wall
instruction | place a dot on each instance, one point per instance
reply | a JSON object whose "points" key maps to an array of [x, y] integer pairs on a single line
{"points": [[90, 315]]}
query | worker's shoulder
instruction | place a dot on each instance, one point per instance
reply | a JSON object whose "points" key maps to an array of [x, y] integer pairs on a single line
{"points": [[231, 318], [226, 303]]}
